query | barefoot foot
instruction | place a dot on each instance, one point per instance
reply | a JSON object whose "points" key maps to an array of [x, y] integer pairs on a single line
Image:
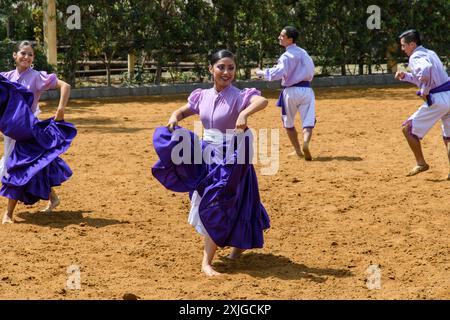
{"points": [[52, 204], [209, 271], [7, 219], [308, 156], [235, 253], [298, 154], [418, 169]]}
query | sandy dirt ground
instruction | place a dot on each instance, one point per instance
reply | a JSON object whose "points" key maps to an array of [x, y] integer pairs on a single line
{"points": [[331, 218]]}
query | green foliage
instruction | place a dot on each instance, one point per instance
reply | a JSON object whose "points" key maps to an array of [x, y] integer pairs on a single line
{"points": [[40, 60], [141, 76], [16, 21], [167, 32], [6, 59]]}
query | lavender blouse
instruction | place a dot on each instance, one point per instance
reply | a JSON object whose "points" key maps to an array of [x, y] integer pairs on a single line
{"points": [[35, 81], [220, 110]]}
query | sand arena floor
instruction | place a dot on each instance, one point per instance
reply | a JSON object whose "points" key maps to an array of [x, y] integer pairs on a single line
{"points": [[351, 207]]}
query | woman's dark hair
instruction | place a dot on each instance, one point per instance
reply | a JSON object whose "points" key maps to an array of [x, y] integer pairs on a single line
{"points": [[411, 36], [220, 55], [22, 44], [291, 33]]}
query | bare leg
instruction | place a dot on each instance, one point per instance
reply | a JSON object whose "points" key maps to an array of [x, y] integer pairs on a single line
{"points": [[208, 255], [307, 133], [8, 217], [235, 253], [416, 148], [447, 144], [53, 202], [292, 134]]}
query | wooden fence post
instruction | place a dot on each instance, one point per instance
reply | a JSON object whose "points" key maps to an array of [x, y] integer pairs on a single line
{"points": [[131, 62], [50, 31]]}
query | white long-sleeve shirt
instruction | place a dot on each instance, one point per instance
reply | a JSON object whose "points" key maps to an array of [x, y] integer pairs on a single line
{"points": [[427, 70], [294, 65]]}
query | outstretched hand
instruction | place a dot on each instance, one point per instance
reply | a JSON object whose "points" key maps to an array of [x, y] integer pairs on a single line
{"points": [[259, 73], [399, 75]]}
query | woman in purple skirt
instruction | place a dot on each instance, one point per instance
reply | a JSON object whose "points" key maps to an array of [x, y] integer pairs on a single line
{"points": [[225, 204], [25, 96]]}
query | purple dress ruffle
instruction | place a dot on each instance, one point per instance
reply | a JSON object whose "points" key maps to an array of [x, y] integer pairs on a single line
{"points": [[230, 210], [34, 166]]}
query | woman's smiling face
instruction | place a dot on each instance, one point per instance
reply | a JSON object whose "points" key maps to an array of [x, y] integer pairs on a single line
{"points": [[223, 72], [24, 57]]}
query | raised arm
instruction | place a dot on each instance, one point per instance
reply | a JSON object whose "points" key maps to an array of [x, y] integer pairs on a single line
{"points": [[276, 72], [179, 115], [64, 98], [408, 77], [421, 67]]}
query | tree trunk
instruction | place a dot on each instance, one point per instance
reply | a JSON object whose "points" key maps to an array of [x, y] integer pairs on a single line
{"points": [[108, 73], [230, 25], [391, 61], [71, 77], [158, 74], [248, 73], [260, 54], [343, 70], [361, 69], [8, 28]]}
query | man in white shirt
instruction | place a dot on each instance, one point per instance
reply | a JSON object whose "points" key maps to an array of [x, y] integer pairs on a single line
{"points": [[428, 73], [295, 68]]}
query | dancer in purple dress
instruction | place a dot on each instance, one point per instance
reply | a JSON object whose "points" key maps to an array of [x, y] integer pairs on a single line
{"points": [[225, 204], [36, 82]]}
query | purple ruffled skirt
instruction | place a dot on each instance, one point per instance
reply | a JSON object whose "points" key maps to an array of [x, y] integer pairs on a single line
{"points": [[34, 166], [230, 208]]}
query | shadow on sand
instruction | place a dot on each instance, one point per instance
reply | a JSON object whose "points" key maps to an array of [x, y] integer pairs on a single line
{"points": [[446, 180], [61, 219], [260, 265], [338, 158]]}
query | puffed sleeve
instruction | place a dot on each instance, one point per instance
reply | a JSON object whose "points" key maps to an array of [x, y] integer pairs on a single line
{"points": [[246, 95], [46, 81], [194, 99]]}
